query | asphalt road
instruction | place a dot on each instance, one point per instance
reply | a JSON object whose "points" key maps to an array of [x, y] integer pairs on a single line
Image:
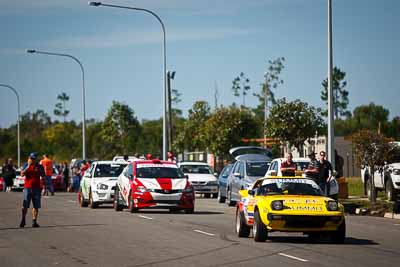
{"points": [[74, 236]]}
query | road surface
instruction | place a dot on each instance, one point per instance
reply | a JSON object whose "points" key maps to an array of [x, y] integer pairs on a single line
{"points": [[73, 236]]}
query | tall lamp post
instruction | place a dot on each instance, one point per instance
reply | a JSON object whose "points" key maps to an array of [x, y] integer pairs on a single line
{"points": [[331, 140], [170, 76], [19, 116], [165, 139], [31, 51]]}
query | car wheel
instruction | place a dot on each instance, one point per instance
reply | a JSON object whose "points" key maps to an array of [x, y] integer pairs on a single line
{"points": [[339, 236], [92, 204], [369, 189], [81, 199], [242, 229], [260, 232], [189, 211], [173, 210], [215, 195], [207, 195], [221, 199], [389, 188], [117, 197], [131, 206], [230, 202]]}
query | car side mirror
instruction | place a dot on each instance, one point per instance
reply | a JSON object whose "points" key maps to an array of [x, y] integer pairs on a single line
{"points": [[237, 174], [251, 192], [216, 174], [271, 173]]}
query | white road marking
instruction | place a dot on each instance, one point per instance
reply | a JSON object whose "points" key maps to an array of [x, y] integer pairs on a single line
{"points": [[397, 224], [145, 217], [292, 257], [46, 197], [73, 201], [204, 233]]}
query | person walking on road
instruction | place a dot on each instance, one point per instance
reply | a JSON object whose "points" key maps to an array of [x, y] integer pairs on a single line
{"points": [[325, 172], [32, 171], [288, 167], [48, 170], [65, 174], [8, 172]]}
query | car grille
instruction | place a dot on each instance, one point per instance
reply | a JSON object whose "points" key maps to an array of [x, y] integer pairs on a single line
{"points": [[194, 183], [176, 202], [165, 191], [301, 221]]}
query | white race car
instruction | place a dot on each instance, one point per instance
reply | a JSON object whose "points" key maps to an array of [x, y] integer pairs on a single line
{"points": [[98, 184]]}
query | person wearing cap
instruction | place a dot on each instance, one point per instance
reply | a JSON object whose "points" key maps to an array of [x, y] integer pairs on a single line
{"points": [[312, 170], [325, 172], [32, 171], [47, 164], [288, 167]]}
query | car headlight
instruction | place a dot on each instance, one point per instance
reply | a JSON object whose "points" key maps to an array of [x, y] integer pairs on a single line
{"points": [[102, 186], [332, 206], [277, 205], [396, 171]]}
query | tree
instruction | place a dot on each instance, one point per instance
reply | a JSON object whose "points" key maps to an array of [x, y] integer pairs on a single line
{"points": [[120, 130], [340, 95], [294, 122], [175, 100], [372, 149], [60, 109], [370, 117], [226, 128], [191, 135], [150, 140], [272, 81], [240, 86]]}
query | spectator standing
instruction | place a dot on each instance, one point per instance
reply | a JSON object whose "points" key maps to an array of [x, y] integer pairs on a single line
{"points": [[8, 172], [171, 157], [65, 174], [84, 167], [32, 171], [288, 167], [325, 172], [47, 164], [312, 170]]}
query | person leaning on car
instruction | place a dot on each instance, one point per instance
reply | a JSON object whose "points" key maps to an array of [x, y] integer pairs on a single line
{"points": [[312, 170], [32, 171], [288, 167]]}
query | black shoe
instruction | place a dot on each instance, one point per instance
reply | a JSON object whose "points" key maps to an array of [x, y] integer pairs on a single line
{"points": [[22, 224], [35, 225]]}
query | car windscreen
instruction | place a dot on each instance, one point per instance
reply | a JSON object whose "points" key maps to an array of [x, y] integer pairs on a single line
{"points": [[159, 172], [202, 169], [289, 187], [257, 168], [108, 170], [302, 165]]}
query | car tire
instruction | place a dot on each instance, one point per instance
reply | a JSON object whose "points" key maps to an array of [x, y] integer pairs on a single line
{"points": [[215, 195], [82, 202], [189, 211], [174, 210], [260, 232], [339, 236], [117, 197], [207, 195], [242, 229], [220, 198], [390, 191], [230, 202], [92, 204], [131, 206], [369, 189]]}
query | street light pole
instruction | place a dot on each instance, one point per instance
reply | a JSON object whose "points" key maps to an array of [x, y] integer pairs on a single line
{"points": [[31, 51], [165, 139], [18, 120], [331, 133]]}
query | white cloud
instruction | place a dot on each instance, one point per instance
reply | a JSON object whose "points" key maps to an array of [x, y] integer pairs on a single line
{"points": [[130, 37]]}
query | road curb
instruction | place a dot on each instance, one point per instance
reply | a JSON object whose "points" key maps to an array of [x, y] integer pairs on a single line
{"points": [[392, 216]]}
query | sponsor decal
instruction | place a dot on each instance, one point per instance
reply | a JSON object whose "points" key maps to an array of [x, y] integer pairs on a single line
{"points": [[152, 165], [307, 208]]}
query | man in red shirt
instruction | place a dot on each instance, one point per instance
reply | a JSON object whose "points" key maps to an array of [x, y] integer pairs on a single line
{"points": [[48, 171], [288, 167], [32, 191]]}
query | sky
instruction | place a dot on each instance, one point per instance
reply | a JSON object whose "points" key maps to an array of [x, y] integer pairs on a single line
{"points": [[209, 43]]}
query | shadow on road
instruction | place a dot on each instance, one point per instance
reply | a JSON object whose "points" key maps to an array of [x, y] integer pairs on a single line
{"points": [[307, 240], [52, 226]]}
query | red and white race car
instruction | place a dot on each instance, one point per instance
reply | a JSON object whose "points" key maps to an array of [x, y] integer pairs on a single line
{"points": [[153, 184], [56, 179]]}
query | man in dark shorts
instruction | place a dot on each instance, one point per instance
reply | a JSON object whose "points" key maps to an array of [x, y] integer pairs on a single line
{"points": [[32, 171]]}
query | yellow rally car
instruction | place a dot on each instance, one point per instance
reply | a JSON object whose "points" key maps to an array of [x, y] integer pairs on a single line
{"points": [[288, 204]]}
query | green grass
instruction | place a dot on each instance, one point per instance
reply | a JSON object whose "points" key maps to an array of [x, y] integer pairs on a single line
{"points": [[356, 188]]}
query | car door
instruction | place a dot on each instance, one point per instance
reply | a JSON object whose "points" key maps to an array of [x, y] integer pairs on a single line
{"points": [[379, 177], [238, 180], [126, 182]]}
